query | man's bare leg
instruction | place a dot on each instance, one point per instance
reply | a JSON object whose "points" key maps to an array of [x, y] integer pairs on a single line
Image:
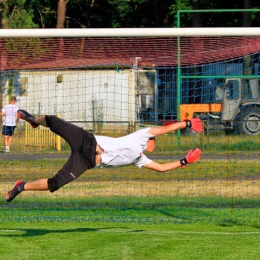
{"points": [[6, 139], [40, 121], [39, 185], [9, 140]]}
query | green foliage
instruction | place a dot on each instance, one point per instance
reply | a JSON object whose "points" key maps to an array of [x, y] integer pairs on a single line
{"points": [[180, 5], [45, 13], [19, 15], [21, 19], [114, 13], [110, 13]]}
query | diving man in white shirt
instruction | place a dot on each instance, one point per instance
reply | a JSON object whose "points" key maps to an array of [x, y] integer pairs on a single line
{"points": [[88, 151]]}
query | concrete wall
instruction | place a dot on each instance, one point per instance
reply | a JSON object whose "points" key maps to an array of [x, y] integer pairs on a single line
{"points": [[75, 94]]}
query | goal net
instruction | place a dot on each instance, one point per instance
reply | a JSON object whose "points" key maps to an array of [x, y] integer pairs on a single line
{"points": [[115, 81]]}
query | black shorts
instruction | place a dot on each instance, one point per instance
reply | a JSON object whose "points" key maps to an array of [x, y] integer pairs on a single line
{"points": [[8, 130], [83, 151]]}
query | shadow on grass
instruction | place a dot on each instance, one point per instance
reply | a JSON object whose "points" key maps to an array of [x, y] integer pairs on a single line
{"points": [[24, 232]]}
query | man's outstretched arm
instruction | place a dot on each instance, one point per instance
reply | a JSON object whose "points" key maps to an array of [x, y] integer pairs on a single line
{"points": [[162, 167], [195, 124], [191, 157]]}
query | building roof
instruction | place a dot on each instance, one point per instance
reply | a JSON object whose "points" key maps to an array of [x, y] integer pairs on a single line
{"points": [[57, 53]]}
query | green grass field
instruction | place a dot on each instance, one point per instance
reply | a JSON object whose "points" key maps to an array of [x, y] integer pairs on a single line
{"points": [[210, 210], [120, 241]]}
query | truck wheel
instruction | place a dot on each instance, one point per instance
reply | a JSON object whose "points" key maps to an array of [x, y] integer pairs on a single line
{"points": [[249, 121]]}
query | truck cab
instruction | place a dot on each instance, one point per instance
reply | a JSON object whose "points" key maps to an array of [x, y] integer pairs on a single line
{"points": [[237, 107]]}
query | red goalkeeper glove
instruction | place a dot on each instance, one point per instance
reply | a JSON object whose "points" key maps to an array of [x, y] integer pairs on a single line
{"points": [[195, 124], [191, 157]]}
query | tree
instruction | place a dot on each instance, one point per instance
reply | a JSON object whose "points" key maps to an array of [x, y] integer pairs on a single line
{"points": [[162, 15], [130, 13], [197, 18], [181, 5], [247, 21], [18, 14], [3, 13], [61, 13], [45, 13]]}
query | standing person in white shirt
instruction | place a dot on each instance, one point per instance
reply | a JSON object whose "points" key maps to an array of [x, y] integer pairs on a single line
{"points": [[11, 119], [88, 151]]}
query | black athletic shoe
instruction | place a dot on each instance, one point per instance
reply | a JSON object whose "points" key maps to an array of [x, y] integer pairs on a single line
{"points": [[27, 117], [11, 194]]}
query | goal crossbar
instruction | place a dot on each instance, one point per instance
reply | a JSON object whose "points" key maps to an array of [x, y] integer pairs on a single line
{"points": [[131, 32]]}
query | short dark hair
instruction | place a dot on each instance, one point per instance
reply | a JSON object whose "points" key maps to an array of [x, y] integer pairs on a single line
{"points": [[13, 98], [152, 138]]}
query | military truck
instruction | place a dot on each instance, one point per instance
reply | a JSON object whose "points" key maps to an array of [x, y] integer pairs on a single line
{"points": [[236, 110]]}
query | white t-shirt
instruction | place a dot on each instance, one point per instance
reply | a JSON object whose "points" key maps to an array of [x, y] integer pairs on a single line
{"points": [[124, 150], [10, 111]]}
